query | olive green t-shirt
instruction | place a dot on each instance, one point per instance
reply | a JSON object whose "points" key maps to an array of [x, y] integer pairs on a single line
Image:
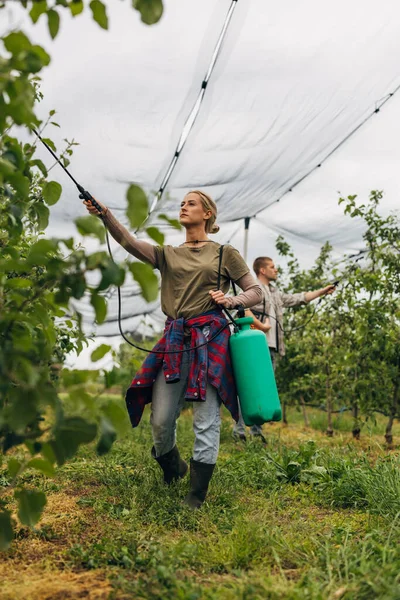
{"points": [[189, 274]]}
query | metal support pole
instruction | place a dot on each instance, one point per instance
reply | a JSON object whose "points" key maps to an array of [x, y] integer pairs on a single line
{"points": [[246, 237]]}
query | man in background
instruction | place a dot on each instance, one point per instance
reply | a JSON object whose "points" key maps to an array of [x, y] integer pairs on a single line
{"points": [[268, 317]]}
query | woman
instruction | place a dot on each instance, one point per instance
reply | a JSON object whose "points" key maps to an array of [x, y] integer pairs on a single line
{"points": [[174, 373]]}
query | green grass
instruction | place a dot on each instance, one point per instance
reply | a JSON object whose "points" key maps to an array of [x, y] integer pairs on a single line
{"points": [[302, 518]]}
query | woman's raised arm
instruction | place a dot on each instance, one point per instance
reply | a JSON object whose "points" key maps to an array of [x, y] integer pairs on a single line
{"points": [[138, 248]]}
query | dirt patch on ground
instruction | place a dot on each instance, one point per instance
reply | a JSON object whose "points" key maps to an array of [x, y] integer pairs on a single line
{"points": [[35, 569], [64, 523], [41, 583]]}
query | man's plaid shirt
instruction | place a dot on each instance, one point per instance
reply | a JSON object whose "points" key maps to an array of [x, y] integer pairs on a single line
{"points": [[209, 364]]}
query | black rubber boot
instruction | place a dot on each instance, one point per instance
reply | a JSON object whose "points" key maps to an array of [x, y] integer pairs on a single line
{"points": [[200, 475], [261, 437], [256, 432], [239, 437], [173, 466]]}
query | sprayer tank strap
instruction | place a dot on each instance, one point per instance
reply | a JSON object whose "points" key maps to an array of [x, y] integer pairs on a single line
{"points": [[221, 250], [219, 267], [261, 315]]}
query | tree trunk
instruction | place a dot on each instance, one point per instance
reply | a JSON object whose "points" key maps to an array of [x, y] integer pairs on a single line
{"points": [[284, 413], [388, 430], [303, 407], [356, 425], [393, 413], [329, 430]]}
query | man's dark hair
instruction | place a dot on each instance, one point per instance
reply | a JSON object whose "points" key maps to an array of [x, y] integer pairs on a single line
{"points": [[259, 263]]}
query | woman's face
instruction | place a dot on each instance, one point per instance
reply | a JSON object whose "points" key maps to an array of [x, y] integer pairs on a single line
{"points": [[192, 211]]}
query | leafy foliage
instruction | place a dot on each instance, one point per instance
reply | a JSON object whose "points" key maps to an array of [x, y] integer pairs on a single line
{"points": [[150, 11], [40, 276]]}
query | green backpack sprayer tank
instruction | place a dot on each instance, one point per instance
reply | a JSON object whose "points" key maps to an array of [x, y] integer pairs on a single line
{"points": [[254, 374]]}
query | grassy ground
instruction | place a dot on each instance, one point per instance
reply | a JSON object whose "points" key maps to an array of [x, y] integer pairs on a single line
{"points": [[305, 517]]}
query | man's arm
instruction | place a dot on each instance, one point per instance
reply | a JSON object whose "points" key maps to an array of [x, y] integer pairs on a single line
{"points": [[290, 300], [310, 296]]}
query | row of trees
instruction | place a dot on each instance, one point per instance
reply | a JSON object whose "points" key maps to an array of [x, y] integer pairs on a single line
{"points": [[347, 357]]}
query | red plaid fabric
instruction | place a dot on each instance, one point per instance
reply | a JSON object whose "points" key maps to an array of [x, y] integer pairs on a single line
{"points": [[209, 364]]}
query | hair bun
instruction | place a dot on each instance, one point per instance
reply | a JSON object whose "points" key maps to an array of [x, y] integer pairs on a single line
{"points": [[215, 228]]}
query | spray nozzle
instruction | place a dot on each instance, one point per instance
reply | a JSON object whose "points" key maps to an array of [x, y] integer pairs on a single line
{"points": [[85, 195]]}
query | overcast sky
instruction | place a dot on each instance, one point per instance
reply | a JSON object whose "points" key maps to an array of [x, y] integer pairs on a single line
{"points": [[293, 79]]}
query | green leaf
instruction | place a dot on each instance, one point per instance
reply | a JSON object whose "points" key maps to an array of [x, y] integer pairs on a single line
{"points": [[118, 416], [53, 20], [99, 352], [108, 436], [40, 165], [20, 183], [17, 42], [84, 401], [76, 7], [91, 225], [48, 452], [6, 167], [69, 434], [69, 243], [138, 206], [33, 447], [111, 274], [6, 530], [14, 153], [39, 7], [50, 143], [13, 467], [40, 251], [18, 283], [173, 222], [42, 465], [99, 13], [42, 55], [146, 278], [43, 215], [96, 260], [52, 192], [100, 306], [156, 235], [110, 377], [22, 410], [150, 10], [77, 285], [30, 506]]}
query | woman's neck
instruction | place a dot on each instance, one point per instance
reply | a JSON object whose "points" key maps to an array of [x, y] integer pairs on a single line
{"points": [[195, 234]]}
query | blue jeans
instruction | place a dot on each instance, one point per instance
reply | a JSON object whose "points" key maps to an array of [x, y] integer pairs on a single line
{"points": [[240, 427], [167, 402]]}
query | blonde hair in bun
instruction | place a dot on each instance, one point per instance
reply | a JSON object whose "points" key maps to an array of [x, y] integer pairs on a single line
{"points": [[208, 204]]}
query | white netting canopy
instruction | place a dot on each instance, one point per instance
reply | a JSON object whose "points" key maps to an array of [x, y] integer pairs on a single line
{"points": [[249, 96]]}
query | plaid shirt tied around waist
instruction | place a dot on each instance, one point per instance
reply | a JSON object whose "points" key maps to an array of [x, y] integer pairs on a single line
{"points": [[210, 363]]}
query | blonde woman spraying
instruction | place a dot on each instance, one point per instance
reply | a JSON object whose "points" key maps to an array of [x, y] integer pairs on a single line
{"points": [[193, 307]]}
